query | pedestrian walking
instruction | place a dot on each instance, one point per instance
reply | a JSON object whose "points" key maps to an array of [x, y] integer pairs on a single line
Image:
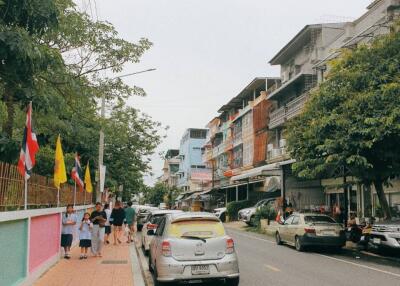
{"points": [[69, 220], [117, 219], [130, 216], [107, 224], [98, 218], [85, 235]]}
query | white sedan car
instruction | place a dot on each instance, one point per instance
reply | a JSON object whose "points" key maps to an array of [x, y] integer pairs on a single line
{"points": [[152, 223]]}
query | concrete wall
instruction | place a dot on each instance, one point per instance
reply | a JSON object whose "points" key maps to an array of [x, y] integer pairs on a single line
{"points": [[30, 241], [13, 250]]}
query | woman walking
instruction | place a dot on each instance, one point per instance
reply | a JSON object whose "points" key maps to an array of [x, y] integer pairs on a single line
{"points": [[107, 224], [85, 236], [117, 219], [68, 222], [98, 218]]}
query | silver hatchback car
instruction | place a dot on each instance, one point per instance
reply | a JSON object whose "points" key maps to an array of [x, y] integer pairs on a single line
{"points": [[190, 247]]}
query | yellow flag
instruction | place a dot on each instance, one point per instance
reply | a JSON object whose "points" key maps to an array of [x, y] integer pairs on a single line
{"points": [[60, 175], [88, 180]]}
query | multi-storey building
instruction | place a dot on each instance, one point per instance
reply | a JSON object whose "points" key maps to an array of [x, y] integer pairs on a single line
{"points": [[171, 168], [193, 175], [236, 144], [303, 63]]}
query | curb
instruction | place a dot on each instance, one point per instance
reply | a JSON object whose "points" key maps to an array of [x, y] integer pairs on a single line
{"points": [[138, 280], [146, 275]]}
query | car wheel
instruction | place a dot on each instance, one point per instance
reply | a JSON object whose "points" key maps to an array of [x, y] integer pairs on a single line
{"points": [[278, 239], [232, 281], [252, 220], [299, 246], [223, 217]]}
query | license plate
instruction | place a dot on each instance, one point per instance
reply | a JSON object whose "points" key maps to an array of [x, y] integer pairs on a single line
{"points": [[200, 269], [328, 233], [376, 240]]}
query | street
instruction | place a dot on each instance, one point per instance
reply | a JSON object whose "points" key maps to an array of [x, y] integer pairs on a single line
{"points": [[262, 262]]}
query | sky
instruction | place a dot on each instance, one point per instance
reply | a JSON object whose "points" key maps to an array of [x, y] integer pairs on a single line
{"points": [[207, 51]]}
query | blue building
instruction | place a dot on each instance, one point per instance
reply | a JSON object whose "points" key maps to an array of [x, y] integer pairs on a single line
{"points": [[193, 175]]}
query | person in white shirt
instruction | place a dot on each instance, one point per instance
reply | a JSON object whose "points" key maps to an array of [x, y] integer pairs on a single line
{"points": [[107, 225], [85, 235]]}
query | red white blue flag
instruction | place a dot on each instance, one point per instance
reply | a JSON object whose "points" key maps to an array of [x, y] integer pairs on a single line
{"points": [[77, 174], [29, 147]]}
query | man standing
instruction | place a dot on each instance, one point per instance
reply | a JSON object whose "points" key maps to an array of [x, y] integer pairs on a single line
{"points": [[130, 215], [98, 218]]}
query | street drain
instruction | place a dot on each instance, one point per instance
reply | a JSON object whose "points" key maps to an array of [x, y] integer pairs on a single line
{"points": [[114, 262]]}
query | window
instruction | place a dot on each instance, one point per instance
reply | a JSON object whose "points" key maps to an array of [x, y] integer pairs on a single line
{"points": [[196, 148], [206, 228], [296, 220], [198, 133], [289, 220], [318, 219], [161, 227]]}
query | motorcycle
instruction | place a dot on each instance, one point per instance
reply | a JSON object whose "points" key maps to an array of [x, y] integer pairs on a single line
{"points": [[364, 242]]}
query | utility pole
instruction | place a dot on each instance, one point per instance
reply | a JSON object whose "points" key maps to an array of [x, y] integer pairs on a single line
{"points": [[101, 137]]}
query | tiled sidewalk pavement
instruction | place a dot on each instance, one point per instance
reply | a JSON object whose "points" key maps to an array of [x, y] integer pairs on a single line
{"points": [[114, 268]]}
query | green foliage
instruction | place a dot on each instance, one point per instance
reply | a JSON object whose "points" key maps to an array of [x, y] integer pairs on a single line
{"points": [[156, 194], [265, 212], [57, 57], [352, 120], [233, 208]]}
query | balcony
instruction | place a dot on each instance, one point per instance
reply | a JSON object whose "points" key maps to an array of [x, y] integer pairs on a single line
{"points": [[208, 155], [287, 112], [277, 155]]}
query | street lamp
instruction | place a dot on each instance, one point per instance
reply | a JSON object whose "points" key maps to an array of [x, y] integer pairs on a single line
{"points": [[101, 139]]}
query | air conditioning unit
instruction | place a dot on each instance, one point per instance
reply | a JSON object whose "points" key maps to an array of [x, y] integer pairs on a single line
{"points": [[282, 143]]}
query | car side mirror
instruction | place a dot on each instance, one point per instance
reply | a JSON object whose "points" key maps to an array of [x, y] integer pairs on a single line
{"points": [[151, 232]]}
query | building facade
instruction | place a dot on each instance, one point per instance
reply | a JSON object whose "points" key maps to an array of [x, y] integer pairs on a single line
{"points": [[193, 175], [171, 168]]}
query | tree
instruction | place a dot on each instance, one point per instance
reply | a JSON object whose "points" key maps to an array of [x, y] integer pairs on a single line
{"points": [[156, 194], [353, 119]]}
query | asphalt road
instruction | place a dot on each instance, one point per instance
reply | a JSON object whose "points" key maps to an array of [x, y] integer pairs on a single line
{"points": [[262, 262]]}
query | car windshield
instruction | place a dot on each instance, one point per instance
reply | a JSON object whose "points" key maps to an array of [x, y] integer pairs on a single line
{"points": [[196, 229], [318, 219], [259, 203]]}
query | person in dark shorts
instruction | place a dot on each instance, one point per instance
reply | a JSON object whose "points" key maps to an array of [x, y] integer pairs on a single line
{"points": [[69, 220], [85, 235], [117, 219], [107, 224]]}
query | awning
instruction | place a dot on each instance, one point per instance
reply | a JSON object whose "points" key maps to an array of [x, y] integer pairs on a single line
{"points": [[272, 184], [179, 197], [260, 171]]}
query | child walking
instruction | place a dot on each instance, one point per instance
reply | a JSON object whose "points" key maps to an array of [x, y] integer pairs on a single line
{"points": [[85, 235]]}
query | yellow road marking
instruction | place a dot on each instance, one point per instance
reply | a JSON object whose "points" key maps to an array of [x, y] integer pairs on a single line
{"points": [[272, 268]]}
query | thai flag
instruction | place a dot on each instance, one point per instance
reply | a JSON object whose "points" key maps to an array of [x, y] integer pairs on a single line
{"points": [[29, 147], [77, 174]]}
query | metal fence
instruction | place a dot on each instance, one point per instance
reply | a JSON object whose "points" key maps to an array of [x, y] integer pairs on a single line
{"points": [[41, 191]]}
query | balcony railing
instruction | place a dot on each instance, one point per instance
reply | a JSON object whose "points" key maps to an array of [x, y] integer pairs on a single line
{"points": [[290, 110], [277, 154]]}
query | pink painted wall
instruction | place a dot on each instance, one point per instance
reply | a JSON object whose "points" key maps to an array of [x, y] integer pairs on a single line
{"points": [[44, 240]]}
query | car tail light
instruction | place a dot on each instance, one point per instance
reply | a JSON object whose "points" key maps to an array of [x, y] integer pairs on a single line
{"points": [[309, 230], [166, 248], [230, 246], [151, 226]]}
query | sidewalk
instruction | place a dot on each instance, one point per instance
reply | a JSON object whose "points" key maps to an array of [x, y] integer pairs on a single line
{"points": [[114, 268]]}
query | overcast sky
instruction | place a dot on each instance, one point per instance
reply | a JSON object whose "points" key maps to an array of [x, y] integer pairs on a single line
{"points": [[207, 51]]}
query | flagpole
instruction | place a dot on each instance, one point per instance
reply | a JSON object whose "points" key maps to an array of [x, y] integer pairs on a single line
{"points": [[75, 195], [25, 193], [58, 196]]}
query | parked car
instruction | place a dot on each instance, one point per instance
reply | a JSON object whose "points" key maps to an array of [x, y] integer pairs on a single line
{"points": [[152, 223], [386, 235], [192, 246], [248, 214], [305, 230], [220, 213], [142, 215]]}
